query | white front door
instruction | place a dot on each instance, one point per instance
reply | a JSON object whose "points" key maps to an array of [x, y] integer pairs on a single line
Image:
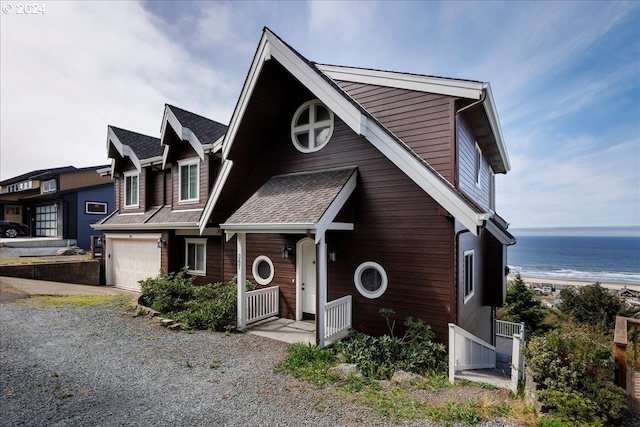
{"points": [[308, 275]]}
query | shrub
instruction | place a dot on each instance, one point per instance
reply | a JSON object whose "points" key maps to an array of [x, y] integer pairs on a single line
{"points": [[575, 370], [213, 306], [380, 357], [521, 305], [310, 363]]}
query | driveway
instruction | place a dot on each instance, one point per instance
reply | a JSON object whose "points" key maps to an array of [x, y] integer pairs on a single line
{"points": [[102, 366]]}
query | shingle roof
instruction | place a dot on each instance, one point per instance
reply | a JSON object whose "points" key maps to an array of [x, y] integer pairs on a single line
{"points": [[144, 146], [292, 199], [39, 174], [154, 216], [208, 131]]}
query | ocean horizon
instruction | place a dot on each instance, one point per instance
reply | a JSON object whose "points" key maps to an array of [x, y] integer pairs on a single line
{"points": [[578, 253]]}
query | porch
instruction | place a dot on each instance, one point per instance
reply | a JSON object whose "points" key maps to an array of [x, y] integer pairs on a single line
{"points": [[261, 310]]}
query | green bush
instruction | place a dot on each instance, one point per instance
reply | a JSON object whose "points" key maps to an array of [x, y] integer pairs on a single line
{"points": [[379, 358], [212, 306], [575, 369]]}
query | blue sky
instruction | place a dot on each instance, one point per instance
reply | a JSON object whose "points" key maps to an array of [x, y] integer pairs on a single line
{"points": [[565, 78]]}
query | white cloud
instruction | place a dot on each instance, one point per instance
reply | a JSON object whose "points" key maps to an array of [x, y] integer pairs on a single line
{"points": [[68, 74]]}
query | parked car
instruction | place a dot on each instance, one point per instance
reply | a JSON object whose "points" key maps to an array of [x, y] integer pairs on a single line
{"points": [[13, 229]]}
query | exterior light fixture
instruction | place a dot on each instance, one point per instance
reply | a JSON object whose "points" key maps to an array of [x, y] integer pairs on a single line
{"points": [[286, 252], [162, 243], [333, 255]]}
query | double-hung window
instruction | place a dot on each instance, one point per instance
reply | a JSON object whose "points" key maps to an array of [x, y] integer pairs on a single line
{"points": [[196, 256], [468, 275], [131, 190], [189, 181]]}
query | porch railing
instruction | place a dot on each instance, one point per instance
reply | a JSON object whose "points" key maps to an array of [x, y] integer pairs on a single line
{"points": [[466, 351], [509, 329], [262, 303], [337, 317]]}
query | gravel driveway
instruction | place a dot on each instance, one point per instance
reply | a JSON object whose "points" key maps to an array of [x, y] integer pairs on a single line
{"points": [[100, 366]]}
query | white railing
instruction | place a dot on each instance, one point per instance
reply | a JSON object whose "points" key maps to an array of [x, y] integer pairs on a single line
{"points": [[337, 315], [509, 329], [466, 351], [517, 362], [262, 303]]}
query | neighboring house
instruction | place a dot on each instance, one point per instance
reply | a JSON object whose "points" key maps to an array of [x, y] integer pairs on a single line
{"points": [[59, 202], [339, 190], [161, 187]]}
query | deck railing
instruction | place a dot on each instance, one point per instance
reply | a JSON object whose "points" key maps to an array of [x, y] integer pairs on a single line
{"points": [[509, 329], [627, 354], [262, 303], [337, 317], [466, 351]]}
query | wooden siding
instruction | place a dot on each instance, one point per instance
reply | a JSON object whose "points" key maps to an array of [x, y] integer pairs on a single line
{"points": [[176, 257], [79, 179], [423, 121], [396, 223], [474, 316], [466, 168], [155, 189]]}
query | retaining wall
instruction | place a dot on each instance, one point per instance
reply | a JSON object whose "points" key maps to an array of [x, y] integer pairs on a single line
{"points": [[80, 272]]}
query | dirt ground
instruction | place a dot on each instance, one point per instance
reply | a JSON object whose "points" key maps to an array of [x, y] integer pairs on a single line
{"points": [[8, 293]]}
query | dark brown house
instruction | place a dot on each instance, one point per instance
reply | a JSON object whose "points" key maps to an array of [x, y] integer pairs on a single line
{"points": [[340, 191]]}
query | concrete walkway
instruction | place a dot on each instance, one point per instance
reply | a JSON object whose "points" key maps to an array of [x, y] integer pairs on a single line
{"points": [[285, 330], [44, 287]]}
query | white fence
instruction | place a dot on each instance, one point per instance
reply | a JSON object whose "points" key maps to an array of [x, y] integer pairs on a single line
{"points": [[509, 329], [262, 303], [337, 317], [466, 351]]}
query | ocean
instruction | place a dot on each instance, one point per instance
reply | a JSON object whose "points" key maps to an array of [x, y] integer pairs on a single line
{"points": [[602, 259]]}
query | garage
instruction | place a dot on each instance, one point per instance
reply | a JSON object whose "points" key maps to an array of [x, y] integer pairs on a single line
{"points": [[131, 258]]}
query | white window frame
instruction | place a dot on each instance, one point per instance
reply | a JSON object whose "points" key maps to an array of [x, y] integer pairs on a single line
{"points": [[468, 275], [101, 204], [197, 242], [48, 186], [188, 163], [357, 280], [478, 165], [127, 176], [311, 127], [256, 275]]}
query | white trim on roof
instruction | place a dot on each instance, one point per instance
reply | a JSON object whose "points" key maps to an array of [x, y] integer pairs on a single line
{"points": [[271, 47], [439, 85], [430, 84], [499, 234], [145, 226], [123, 149], [221, 179], [183, 132]]}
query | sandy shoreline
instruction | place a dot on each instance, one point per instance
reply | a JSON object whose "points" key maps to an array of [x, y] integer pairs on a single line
{"points": [[561, 283]]}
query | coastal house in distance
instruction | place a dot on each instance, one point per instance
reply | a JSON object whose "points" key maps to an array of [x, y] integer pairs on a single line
{"points": [[58, 202], [340, 191]]}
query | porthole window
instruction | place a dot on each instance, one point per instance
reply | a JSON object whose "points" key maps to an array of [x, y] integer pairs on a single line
{"points": [[262, 270], [370, 279], [312, 126]]}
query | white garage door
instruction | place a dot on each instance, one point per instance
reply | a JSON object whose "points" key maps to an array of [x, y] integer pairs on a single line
{"points": [[132, 260]]}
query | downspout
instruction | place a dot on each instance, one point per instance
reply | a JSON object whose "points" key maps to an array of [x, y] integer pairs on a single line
{"points": [[483, 97]]}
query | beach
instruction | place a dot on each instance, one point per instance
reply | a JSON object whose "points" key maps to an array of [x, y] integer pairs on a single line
{"points": [[561, 283]]}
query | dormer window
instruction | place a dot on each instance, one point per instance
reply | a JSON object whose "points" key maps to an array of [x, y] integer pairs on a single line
{"points": [[49, 186], [312, 126], [189, 181], [131, 190]]}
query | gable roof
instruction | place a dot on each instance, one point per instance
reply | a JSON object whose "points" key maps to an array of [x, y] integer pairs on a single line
{"points": [[140, 149], [193, 128], [321, 84], [295, 202]]}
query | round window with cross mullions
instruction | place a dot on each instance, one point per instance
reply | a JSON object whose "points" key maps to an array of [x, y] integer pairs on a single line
{"points": [[312, 126], [370, 279], [262, 270]]}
